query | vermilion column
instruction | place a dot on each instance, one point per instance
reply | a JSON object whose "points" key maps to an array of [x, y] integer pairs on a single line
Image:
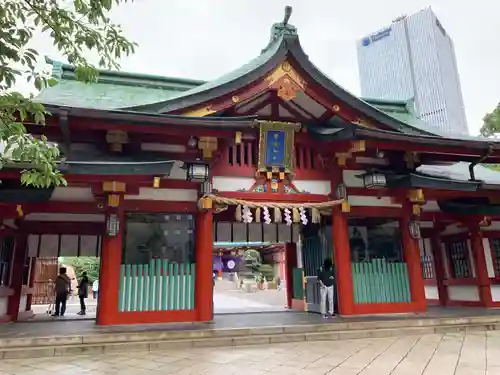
{"points": [[342, 256], [109, 275], [411, 253], [437, 255], [483, 280], [204, 284], [16, 281]]}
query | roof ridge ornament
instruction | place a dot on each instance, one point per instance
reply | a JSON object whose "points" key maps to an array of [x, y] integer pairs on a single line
{"points": [[288, 14], [282, 28]]}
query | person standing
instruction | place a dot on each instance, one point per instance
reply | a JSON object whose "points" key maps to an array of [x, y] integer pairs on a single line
{"points": [[83, 290], [326, 280], [95, 288], [62, 290]]}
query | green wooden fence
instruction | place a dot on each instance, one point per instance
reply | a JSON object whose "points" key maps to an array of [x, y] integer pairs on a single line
{"points": [[380, 282], [156, 286], [298, 286]]}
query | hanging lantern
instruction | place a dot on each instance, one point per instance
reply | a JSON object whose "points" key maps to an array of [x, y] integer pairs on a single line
{"points": [[113, 225], [341, 191], [414, 228], [197, 171], [374, 180]]}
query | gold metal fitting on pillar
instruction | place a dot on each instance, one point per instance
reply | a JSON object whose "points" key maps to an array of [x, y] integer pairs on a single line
{"points": [[156, 182], [113, 200], [205, 203]]}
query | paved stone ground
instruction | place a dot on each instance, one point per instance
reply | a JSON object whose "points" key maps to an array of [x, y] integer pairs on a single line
{"points": [[226, 300], [451, 354]]}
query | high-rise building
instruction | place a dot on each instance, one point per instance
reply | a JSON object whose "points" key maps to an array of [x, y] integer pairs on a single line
{"points": [[414, 58]]}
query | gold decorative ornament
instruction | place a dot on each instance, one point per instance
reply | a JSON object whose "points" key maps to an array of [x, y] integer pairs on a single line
{"points": [[19, 210], [199, 112], [113, 200], [208, 145], [235, 99], [335, 108], [156, 182], [285, 65], [237, 138], [346, 207]]}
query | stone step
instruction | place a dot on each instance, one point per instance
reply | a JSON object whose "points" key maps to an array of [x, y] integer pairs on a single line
{"points": [[164, 340]]}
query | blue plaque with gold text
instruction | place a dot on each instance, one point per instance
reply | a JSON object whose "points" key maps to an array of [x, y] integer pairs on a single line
{"points": [[276, 146]]}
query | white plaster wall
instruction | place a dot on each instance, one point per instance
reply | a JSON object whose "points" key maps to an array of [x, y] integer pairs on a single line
{"points": [[426, 224], [3, 305], [431, 292], [495, 225], [162, 147], [453, 229], [489, 261], [178, 172], [176, 195], [22, 303], [72, 194], [232, 183], [463, 293], [360, 200], [350, 179], [313, 186], [495, 293], [431, 206]]}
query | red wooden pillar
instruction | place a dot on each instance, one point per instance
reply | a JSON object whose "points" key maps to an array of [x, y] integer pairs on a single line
{"points": [[16, 281], [483, 280], [203, 284], [411, 254], [342, 256], [439, 269], [290, 264], [109, 274]]}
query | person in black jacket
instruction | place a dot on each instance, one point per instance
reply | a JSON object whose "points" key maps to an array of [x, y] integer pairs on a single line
{"points": [[326, 279], [83, 291]]}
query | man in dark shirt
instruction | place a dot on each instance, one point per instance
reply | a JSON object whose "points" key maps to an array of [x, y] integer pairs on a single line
{"points": [[62, 289], [326, 279]]}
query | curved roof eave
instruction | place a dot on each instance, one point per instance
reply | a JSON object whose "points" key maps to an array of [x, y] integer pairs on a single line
{"points": [[236, 79], [275, 53]]}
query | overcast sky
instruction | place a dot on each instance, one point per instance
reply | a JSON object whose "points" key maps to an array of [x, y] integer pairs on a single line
{"points": [[204, 39]]}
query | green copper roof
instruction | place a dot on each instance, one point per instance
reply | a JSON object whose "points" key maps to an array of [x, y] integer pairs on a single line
{"points": [[113, 90]]}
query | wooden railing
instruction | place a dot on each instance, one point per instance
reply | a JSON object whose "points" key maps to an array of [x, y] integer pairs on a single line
{"points": [[242, 160]]}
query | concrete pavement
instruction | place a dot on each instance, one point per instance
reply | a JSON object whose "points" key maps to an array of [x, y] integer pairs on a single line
{"points": [[471, 353]]}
